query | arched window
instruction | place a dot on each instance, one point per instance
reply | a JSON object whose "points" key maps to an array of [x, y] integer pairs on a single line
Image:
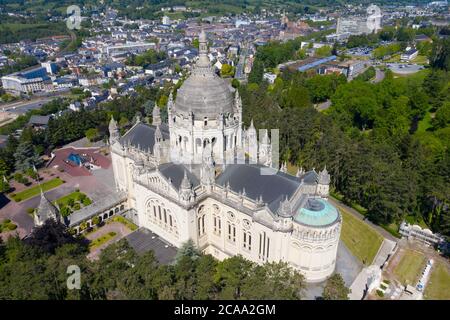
{"points": [[231, 232], [201, 225], [217, 225], [247, 240]]}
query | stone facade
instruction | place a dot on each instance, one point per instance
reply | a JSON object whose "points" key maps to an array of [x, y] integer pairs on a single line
{"points": [[184, 182]]}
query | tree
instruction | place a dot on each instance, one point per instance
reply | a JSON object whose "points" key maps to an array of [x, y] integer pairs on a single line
{"points": [[26, 157], [92, 134], [440, 54], [226, 70], [189, 250], [442, 116], [335, 288], [52, 235], [256, 75], [4, 184], [324, 51]]}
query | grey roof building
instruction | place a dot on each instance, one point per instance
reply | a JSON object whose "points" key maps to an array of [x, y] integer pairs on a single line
{"points": [[203, 176]]}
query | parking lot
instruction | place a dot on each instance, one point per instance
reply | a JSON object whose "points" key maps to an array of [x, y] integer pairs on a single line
{"points": [[404, 68]]}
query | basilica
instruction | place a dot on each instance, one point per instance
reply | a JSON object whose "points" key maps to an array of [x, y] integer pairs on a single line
{"points": [[202, 176]]}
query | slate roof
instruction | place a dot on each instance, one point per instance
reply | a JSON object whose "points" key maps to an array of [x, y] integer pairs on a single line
{"points": [[273, 188], [39, 120], [143, 135], [98, 206], [176, 172]]}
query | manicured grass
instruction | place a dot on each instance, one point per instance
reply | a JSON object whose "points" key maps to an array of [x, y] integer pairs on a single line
{"points": [[75, 196], [101, 240], [361, 239], [130, 225], [33, 191], [410, 266], [420, 60], [438, 287]]}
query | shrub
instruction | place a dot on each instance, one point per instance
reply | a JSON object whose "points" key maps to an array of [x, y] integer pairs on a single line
{"points": [[65, 211], [6, 221], [18, 176], [95, 220], [86, 201], [81, 197], [30, 210], [11, 226], [76, 206], [380, 293], [70, 202]]}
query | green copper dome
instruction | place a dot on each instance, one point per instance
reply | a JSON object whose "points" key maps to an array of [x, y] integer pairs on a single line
{"points": [[317, 213]]}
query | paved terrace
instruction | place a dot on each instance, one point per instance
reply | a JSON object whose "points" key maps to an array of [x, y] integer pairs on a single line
{"points": [[144, 240]]}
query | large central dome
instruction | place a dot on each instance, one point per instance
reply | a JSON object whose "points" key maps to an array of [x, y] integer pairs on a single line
{"points": [[204, 93]]}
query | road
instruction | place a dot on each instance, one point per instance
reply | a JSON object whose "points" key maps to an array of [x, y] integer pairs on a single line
{"points": [[379, 76], [21, 107], [240, 67]]}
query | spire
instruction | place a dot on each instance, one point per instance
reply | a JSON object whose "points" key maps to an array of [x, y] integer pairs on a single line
{"points": [[158, 134], [300, 172], [185, 183], [156, 115], [284, 167], [285, 209], [324, 176], [113, 130], [203, 60], [46, 210], [265, 139], [112, 124], [186, 192]]}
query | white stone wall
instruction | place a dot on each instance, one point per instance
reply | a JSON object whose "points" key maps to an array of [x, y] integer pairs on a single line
{"points": [[176, 230], [313, 250]]}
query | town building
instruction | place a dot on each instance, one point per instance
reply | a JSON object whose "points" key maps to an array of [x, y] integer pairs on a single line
{"points": [[26, 82]]}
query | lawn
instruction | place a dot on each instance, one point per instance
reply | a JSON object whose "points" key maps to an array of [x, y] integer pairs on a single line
{"points": [[361, 239], [101, 240], [438, 287], [72, 202], [33, 191], [130, 225], [75, 196], [410, 266]]}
